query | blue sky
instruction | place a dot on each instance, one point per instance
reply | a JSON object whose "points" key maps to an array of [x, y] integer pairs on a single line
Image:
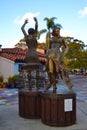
{"points": [[71, 14]]}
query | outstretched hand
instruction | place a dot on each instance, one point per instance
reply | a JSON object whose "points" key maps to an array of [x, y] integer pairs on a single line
{"points": [[26, 21], [35, 19]]}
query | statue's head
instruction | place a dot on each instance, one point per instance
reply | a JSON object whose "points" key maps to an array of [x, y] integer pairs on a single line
{"points": [[56, 31], [31, 31]]}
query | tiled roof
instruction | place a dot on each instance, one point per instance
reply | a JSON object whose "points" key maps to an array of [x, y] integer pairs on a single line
{"points": [[18, 54]]}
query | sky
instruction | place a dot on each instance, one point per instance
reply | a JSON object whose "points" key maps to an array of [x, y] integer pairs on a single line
{"points": [[71, 14]]}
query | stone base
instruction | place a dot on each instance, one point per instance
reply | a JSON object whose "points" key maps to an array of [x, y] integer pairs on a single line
{"points": [[29, 104], [58, 109]]}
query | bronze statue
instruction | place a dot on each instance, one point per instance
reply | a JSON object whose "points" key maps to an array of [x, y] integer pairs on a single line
{"points": [[55, 59], [31, 41]]}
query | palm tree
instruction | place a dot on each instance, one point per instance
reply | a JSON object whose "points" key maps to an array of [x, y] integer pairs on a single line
{"points": [[50, 25], [50, 22], [41, 32]]}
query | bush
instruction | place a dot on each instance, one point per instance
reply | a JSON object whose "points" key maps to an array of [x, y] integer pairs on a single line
{"points": [[11, 79], [1, 78]]}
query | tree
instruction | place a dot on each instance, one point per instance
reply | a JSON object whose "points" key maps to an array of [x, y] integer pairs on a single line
{"points": [[41, 32], [50, 22], [77, 55]]}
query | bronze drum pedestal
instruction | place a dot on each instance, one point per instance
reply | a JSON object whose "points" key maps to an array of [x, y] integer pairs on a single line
{"points": [[29, 104], [58, 109]]}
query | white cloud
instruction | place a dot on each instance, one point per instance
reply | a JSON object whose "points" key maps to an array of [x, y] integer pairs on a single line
{"points": [[28, 16], [83, 12]]}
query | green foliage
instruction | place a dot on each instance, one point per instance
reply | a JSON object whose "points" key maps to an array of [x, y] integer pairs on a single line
{"points": [[77, 55], [50, 22], [1, 78], [41, 32], [12, 79]]}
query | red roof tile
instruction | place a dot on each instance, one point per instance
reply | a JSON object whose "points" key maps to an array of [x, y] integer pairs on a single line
{"points": [[17, 54]]}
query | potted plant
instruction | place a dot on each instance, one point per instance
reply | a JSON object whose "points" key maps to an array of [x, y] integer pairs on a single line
{"points": [[11, 81]]}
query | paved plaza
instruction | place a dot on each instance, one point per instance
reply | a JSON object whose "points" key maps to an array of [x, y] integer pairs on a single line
{"points": [[9, 109]]}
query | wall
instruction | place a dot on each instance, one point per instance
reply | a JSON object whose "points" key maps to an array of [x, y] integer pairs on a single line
{"points": [[6, 68], [16, 67]]}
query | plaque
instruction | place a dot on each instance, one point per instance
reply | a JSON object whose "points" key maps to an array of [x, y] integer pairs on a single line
{"points": [[67, 105]]}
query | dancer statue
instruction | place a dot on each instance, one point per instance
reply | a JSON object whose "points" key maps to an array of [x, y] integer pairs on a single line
{"points": [[31, 41], [55, 59]]}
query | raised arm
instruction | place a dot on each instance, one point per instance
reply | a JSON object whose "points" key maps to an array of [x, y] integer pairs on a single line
{"points": [[22, 28], [36, 25], [48, 40]]}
